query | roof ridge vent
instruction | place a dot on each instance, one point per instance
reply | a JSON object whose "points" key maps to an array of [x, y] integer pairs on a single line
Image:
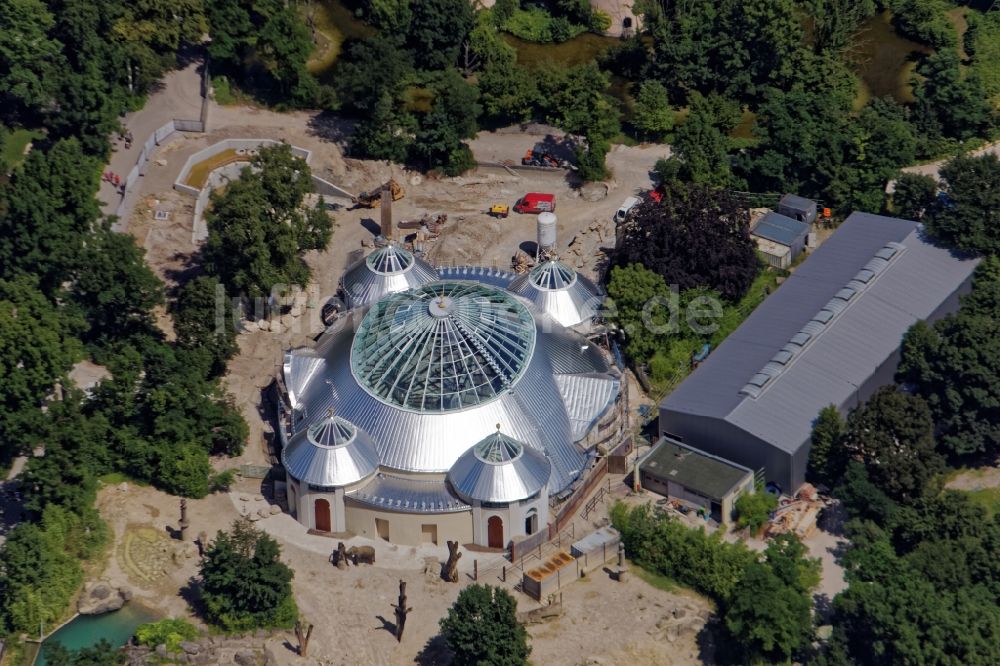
{"points": [[829, 313]]}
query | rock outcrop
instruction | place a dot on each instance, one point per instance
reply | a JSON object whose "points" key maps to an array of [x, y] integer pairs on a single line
{"points": [[102, 597]]}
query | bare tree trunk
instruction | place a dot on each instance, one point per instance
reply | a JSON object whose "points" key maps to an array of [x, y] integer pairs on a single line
{"points": [[451, 568], [401, 610], [303, 632]]}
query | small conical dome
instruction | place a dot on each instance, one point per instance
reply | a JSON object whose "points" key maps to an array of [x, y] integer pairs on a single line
{"points": [[557, 290], [331, 452], [387, 270], [499, 469]]}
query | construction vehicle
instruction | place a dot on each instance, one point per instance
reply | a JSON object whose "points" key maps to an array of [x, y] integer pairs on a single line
{"points": [[539, 158], [536, 202], [499, 210], [373, 199]]}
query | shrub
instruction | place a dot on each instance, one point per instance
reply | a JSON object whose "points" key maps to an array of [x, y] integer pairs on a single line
{"points": [[754, 509], [169, 632]]}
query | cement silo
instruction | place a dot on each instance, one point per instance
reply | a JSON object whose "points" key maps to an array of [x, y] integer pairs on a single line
{"points": [[546, 234]]}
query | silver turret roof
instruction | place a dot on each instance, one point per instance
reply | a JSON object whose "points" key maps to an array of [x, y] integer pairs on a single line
{"points": [[330, 452], [387, 270], [559, 291], [499, 469]]}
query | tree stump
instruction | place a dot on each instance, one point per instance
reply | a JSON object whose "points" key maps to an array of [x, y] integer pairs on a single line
{"points": [[184, 524], [401, 610], [451, 568], [303, 632]]}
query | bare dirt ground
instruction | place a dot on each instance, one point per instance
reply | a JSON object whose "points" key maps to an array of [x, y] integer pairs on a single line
{"points": [[605, 622], [976, 479]]}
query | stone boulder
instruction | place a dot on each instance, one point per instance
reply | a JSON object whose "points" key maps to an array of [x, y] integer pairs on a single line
{"points": [[102, 597]]}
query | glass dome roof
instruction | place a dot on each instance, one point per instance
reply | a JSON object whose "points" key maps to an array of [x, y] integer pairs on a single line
{"points": [[442, 347]]}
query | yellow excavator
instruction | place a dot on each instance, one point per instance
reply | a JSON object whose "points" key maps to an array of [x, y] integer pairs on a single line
{"points": [[373, 199]]}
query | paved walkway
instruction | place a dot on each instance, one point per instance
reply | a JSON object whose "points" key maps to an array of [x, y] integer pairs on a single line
{"points": [[178, 95], [934, 168]]}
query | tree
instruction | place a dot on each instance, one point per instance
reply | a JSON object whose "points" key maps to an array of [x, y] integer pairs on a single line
{"points": [[481, 628], [768, 617], [968, 215], [701, 145], [955, 365], [255, 37], [114, 287], [694, 237], [48, 207], [258, 230], [948, 103], [837, 21], [652, 115], [452, 118], [37, 347], [637, 298], [753, 510], [436, 32], [827, 459], [29, 58], [244, 583], [913, 195], [893, 435], [204, 322]]}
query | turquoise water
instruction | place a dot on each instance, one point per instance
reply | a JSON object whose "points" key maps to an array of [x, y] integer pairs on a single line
{"points": [[87, 630]]}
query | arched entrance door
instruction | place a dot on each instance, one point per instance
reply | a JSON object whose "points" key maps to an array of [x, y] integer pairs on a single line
{"points": [[322, 515], [494, 531], [531, 522]]}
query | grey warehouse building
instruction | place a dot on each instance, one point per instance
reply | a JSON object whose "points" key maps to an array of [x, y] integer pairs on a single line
{"points": [[829, 335]]}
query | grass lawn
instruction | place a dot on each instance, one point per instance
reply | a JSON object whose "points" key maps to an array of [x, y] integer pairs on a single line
{"points": [[13, 148], [659, 581], [988, 498]]}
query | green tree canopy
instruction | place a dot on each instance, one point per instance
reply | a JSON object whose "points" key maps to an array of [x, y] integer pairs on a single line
{"points": [[37, 348], [913, 196], [968, 216], [893, 434], [244, 583], [205, 322], [652, 115], [955, 365], [258, 228], [827, 458], [753, 510], [481, 629], [769, 618]]}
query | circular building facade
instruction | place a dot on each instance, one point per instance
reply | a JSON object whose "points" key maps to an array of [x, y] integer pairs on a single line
{"points": [[425, 378]]}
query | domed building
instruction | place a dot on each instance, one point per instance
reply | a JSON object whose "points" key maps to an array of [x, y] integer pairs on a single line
{"points": [[455, 410]]}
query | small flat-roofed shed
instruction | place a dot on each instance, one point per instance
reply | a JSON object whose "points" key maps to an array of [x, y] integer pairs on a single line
{"points": [[775, 232], [798, 208], [695, 477]]}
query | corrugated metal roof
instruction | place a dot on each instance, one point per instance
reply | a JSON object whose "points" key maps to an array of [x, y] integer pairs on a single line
{"points": [[798, 203], [331, 452], [387, 270], [780, 229], [499, 469], [587, 398], [396, 493], [560, 292], [532, 410], [843, 354]]}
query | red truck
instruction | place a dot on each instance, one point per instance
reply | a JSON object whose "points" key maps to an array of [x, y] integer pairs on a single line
{"points": [[536, 202]]}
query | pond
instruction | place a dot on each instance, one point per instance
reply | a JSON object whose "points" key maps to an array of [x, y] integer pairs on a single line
{"points": [[884, 60], [335, 24], [577, 51], [88, 630]]}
